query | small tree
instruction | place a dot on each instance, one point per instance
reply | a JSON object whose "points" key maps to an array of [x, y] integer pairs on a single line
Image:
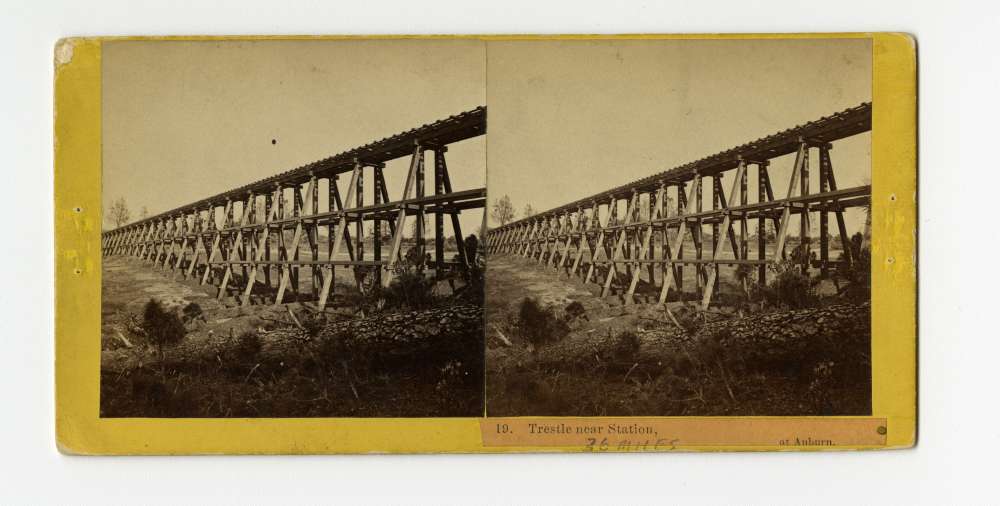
{"points": [[119, 212], [162, 328], [528, 211], [503, 211], [143, 213]]}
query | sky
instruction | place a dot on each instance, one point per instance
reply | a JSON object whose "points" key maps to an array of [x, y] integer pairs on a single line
{"points": [[569, 119], [187, 120]]}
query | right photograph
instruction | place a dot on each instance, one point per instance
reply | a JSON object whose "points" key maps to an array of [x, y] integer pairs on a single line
{"points": [[679, 227]]}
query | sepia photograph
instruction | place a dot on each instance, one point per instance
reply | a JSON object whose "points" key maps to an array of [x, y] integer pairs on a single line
{"points": [[679, 227], [292, 228]]}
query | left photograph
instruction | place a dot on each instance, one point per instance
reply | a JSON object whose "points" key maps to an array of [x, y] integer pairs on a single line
{"points": [[292, 228]]}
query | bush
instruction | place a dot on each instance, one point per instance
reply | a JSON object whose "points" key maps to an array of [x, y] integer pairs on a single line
{"points": [[539, 325], [410, 289], [162, 328], [790, 287], [576, 310], [191, 312], [313, 323], [858, 275]]}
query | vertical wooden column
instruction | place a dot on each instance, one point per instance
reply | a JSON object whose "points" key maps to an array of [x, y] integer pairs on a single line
{"points": [[599, 244], [359, 225], [216, 242], [420, 235], [332, 204], [542, 239], [762, 223], [613, 221], [654, 197], [287, 275], [804, 229], [168, 241], [824, 232], [313, 229], [824, 156], [583, 226], [696, 234], [246, 242], [744, 232], [456, 226], [678, 244], [258, 253], [663, 212], [269, 210], [717, 199], [147, 241], [236, 247], [627, 267], [786, 213], [377, 224], [643, 251], [573, 225], [622, 238], [183, 233], [438, 216], [727, 226], [161, 233], [682, 205], [563, 228], [160, 241], [157, 246], [295, 269], [282, 250], [397, 237]]}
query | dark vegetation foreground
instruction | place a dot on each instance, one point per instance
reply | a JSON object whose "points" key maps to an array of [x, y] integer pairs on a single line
{"points": [[170, 349], [789, 348]]}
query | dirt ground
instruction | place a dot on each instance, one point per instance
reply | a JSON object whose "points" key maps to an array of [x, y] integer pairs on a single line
{"points": [[136, 383], [517, 386]]}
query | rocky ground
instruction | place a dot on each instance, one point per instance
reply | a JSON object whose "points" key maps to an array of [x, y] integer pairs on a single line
{"points": [[288, 360], [601, 357]]}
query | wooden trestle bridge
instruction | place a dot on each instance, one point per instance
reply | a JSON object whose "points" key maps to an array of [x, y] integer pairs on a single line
{"points": [[258, 239], [591, 239]]}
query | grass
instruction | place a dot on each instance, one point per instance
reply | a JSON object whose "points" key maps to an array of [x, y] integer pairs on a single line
{"points": [[702, 382], [828, 378], [240, 382]]}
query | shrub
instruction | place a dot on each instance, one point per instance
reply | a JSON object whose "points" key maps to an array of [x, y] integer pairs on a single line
{"points": [[191, 312], [538, 324], [410, 288], [162, 328], [575, 310], [858, 275], [313, 323], [790, 287]]}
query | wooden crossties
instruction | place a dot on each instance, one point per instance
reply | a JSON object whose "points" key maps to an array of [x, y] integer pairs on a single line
{"points": [[271, 242], [646, 237]]}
